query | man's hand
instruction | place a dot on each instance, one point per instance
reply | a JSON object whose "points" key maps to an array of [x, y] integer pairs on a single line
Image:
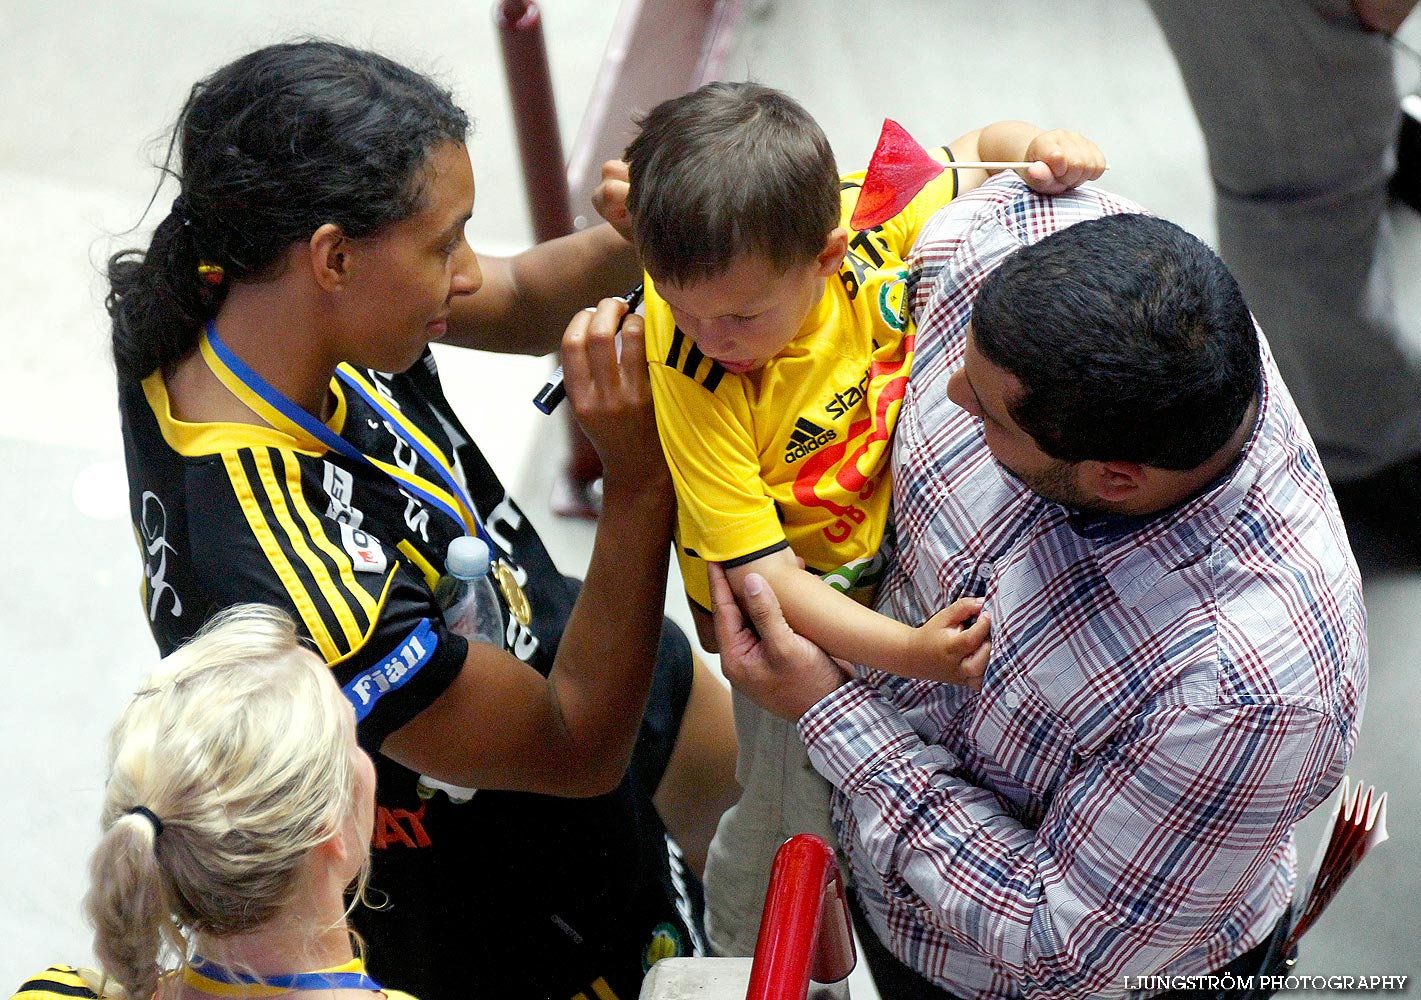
{"points": [[610, 197], [1383, 15], [779, 669]]}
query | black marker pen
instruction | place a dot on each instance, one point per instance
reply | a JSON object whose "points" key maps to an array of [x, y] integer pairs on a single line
{"points": [[553, 393]]}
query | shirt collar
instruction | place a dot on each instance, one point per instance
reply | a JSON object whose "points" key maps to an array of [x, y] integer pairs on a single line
{"points": [[1096, 526], [1135, 552]]}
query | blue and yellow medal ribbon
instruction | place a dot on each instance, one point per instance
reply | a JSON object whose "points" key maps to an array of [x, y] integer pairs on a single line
{"points": [[218, 981], [280, 412]]}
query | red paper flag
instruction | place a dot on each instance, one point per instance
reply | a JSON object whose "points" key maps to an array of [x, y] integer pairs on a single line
{"points": [[1358, 824], [898, 170]]}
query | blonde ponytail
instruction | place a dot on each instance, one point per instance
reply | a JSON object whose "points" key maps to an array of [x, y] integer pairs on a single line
{"points": [[226, 770], [133, 925]]}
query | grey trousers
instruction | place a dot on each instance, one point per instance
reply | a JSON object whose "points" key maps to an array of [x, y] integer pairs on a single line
{"points": [[1299, 111], [781, 795]]}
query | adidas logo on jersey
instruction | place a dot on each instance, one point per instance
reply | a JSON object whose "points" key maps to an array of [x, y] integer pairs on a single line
{"points": [[806, 438]]}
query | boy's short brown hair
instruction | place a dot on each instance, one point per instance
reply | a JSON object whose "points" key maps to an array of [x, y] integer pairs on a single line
{"points": [[728, 170]]}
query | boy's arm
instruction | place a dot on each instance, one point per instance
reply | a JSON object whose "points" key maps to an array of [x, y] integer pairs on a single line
{"points": [[939, 650], [1061, 159]]}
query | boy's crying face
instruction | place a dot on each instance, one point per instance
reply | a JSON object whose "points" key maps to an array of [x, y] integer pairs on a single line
{"points": [[749, 313]]}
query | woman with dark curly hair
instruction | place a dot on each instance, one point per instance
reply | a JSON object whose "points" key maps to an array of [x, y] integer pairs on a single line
{"points": [[288, 441]]}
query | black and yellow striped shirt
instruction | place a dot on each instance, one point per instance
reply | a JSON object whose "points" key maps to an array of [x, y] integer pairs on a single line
{"points": [[62, 981], [536, 895]]}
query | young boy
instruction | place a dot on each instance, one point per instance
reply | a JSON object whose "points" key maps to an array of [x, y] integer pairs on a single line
{"points": [[780, 345]]}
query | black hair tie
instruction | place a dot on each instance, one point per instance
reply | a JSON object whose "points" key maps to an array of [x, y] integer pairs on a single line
{"points": [[150, 816]]}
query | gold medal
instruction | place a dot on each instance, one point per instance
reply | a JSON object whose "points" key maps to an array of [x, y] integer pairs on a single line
{"points": [[517, 601]]}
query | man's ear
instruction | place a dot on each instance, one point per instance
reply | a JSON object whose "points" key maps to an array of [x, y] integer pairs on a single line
{"points": [[330, 251], [1113, 482], [836, 245]]}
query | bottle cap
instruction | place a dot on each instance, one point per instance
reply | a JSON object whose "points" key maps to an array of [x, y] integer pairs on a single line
{"points": [[468, 557]]}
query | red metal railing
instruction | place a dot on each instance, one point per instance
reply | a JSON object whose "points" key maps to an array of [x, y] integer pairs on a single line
{"points": [[658, 49], [530, 87], [805, 931]]}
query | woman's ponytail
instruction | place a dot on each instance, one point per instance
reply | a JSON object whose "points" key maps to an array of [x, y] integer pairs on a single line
{"points": [[268, 149], [157, 299], [233, 763], [132, 923]]}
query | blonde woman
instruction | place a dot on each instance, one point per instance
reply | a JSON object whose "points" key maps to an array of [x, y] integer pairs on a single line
{"points": [[237, 814]]}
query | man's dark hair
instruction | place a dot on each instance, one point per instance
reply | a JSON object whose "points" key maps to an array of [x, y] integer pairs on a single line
{"points": [[1130, 338], [728, 170]]}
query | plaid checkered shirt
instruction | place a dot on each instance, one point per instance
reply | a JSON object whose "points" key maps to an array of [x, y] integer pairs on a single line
{"points": [[1165, 697]]}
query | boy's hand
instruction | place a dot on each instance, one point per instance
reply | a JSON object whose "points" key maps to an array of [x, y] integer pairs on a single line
{"points": [[1064, 160], [952, 653], [610, 197]]}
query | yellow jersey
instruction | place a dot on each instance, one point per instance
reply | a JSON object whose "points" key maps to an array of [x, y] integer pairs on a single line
{"points": [[797, 452]]}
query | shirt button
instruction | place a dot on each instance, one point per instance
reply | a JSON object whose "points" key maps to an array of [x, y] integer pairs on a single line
{"points": [[1011, 699]]}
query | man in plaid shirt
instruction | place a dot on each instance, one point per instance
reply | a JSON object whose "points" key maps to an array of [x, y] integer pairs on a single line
{"points": [[1178, 654]]}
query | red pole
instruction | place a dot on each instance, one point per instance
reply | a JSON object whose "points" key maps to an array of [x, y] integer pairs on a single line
{"points": [[535, 118], [804, 931], [530, 86]]}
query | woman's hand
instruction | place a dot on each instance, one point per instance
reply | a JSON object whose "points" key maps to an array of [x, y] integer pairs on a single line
{"points": [[610, 392]]}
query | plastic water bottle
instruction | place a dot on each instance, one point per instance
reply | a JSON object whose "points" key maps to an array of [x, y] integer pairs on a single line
{"points": [[466, 593]]}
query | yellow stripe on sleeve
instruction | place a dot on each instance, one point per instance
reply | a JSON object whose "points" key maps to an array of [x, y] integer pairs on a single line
{"points": [[61, 982], [337, 602], [275, 555], [317, 534], [333, 662], [603, 991]]}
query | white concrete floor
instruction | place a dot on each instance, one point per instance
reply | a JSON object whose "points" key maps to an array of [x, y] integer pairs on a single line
{"points": [[86, 91]]}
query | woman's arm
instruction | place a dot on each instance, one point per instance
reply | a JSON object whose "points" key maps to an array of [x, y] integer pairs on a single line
{"points": [[500, 724], [526, 300]]}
